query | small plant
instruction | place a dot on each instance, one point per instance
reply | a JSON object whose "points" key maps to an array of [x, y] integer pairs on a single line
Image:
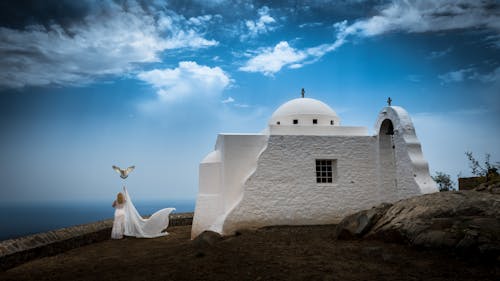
{"points": [[479, 170], [444, 181]]}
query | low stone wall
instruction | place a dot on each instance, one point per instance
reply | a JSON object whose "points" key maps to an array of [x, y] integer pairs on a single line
{"points": [[20, 250], [470, 183]]}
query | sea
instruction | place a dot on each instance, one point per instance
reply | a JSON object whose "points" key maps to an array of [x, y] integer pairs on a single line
{"points": [[20, 219]]}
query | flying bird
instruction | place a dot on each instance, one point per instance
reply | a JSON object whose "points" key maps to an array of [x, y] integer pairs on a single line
{"points": [[123, 173]]}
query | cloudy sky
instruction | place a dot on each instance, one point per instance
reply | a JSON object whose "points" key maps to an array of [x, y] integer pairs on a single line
{"points": [[88, 84]]}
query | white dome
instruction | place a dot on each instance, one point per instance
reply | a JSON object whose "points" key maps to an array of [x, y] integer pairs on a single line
{"points": [[304, 111]]}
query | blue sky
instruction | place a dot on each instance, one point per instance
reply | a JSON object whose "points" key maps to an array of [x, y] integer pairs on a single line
{"points": [[89, 84]]}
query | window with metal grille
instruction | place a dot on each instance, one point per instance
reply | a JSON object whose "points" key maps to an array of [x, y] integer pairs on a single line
{"points": [[324, 170]]}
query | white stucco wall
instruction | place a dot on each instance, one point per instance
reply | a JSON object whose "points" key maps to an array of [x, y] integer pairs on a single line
{"points": [[239, 153], [314, 130], [283, 189], [222, 175], [412, 170]]}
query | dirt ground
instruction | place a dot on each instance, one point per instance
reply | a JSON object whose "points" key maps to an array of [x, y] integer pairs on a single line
{"points": [[273, 253]]}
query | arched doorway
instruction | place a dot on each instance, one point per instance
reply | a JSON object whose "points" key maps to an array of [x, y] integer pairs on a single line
{"points": [[387, 160]]}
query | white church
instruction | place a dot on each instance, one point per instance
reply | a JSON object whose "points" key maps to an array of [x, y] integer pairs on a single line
{"points": [[306, 168]]}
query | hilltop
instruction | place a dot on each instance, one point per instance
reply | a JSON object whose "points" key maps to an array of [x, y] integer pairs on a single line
{"points": [[303, 252]]}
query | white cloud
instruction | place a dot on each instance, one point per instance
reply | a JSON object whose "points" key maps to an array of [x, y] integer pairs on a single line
{"points": [[310, 25], [428, 15], [470, 74], [228, 100], [295, 65], [457, 75], [233, 102], [188, 79], [110, 41], [200, 20], [260, 26], [268, 61], [493, 76], [440, 54], [404, 16], [271, 60], [493, 40], [413, 78]]}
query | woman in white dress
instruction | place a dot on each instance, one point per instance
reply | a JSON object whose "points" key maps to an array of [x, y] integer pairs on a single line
{"points": [[119, 221], [130, 223]]}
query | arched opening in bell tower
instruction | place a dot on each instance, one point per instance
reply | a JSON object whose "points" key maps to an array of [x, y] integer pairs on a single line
{"points": [[387, 158]]}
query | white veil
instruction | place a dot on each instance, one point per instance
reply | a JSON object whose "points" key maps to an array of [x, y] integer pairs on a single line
{"points": [[136, 226]]}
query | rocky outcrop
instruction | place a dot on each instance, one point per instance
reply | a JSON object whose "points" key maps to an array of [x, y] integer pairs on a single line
{"points": [[466, 221], [491, 187], [206, 239], [490, 184], [358, 224]]}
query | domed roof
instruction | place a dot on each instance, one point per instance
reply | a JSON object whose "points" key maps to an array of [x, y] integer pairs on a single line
{"points": [[304, 108]]}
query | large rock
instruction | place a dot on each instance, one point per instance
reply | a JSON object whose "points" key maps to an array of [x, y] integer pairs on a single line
{"points": [[467, 221], [491, 187], [203, 242], [358, 224], [207, 239]]}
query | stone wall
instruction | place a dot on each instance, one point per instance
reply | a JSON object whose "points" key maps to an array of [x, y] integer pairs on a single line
{"points": [[470, 183], [20, 250]]}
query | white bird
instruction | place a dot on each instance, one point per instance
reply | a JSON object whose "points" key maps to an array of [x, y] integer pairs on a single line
{"points": [[123, 173]]}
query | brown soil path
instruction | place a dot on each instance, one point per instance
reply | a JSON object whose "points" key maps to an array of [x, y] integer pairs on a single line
{"points": [[273, 253]]}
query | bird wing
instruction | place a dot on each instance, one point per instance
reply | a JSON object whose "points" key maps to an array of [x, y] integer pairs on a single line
{"points": [[117, 169], [129, 169]]}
